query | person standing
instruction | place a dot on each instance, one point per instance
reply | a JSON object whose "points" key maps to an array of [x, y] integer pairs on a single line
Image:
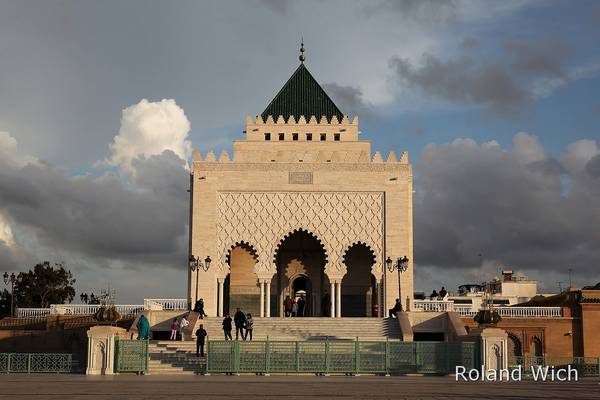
{"points": [[174, 329], [239, 319], [249, 326], [201, 336], [294, 308], [183, 325], [227, 327], [301, 306], [288, 305]]}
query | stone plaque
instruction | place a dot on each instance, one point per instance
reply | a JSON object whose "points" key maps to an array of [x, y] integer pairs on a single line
{"points": [[301, 177]]}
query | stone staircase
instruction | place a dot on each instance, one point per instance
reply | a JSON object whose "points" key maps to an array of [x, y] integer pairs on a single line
{"points": [[174, 358], [311, 328], [179, 357]]}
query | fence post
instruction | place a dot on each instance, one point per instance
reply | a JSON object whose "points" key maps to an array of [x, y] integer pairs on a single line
{"points": [[8, 363], [327, 357], [297, 357], [356, 356], [387, 357], [29, 363], [236, 347], [267, 356]]}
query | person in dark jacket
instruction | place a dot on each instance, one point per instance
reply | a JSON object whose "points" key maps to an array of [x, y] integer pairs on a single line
{"points": [[201, 336], [249, 326], [199, 308], [397, 307], [227, 327], [239, 319]]}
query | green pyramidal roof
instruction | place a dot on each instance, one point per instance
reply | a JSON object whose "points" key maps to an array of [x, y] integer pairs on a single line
{"points": [[302, 95]]}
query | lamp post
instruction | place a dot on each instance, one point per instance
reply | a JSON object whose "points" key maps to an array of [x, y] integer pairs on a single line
{"points": [[401, 265], [11, 279], [195, 265]]}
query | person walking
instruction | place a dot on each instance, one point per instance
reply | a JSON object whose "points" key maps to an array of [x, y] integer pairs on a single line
{"points": [[183, 325], [201, 336], [397, 307], [174, 329], [249, 326], [288, 305], [143, 326], [199, 308], [227, 327], [239, 319], [294, 308]]}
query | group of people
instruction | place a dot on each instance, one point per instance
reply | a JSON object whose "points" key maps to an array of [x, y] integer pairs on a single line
{"points": [[438, 296], [244, 325], [294, 308], [177, 327]]}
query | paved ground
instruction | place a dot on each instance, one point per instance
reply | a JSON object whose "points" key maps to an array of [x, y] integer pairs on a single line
{"points": [[287, 387]]}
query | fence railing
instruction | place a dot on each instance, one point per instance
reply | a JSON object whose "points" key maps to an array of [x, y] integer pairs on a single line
{"points": [[131, 355], [29, 363], [504, 311], [165, 304], [345, 357], [89, 309], [32, 312], [585, 366]]}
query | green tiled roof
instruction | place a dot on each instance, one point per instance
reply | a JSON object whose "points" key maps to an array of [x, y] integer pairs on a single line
{"points": [[302, 95]]}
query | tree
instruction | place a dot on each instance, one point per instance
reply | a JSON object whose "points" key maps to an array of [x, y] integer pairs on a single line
{"points": [[4, 303], [44, 285]]}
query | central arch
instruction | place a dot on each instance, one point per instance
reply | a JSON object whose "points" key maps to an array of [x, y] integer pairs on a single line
{"points": [[359, 287], [300, 259]]}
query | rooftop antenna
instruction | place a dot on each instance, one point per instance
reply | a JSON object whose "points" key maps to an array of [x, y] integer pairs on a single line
{"points": [[302, 57]]}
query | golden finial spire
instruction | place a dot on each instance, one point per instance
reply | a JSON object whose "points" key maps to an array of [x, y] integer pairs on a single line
{"points": [[302, 57]]}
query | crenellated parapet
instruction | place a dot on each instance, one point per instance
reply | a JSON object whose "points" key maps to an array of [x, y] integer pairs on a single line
{"points": [[311, 128]]}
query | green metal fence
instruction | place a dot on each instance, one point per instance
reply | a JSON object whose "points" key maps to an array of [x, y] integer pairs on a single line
{"points": [[29, 363], [586, 366], [345, 357], [131, 355]]}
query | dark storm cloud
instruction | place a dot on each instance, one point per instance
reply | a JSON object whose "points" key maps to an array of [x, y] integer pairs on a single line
{"points": [[462, 80], [102, 217], [543, 57], [470, 42], [509, 205], [502, 85], [593, 167], [350, 100]]}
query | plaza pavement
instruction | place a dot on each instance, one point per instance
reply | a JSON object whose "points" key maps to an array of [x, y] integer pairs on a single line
{"points": [[50, 387]]}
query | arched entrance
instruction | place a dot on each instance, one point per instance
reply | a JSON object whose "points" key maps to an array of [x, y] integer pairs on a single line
{"points": [[359, 289], [300, 260], [240, 289]]}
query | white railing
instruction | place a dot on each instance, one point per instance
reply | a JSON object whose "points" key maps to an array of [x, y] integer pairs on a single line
{"points": [[89, 309], [504, 311], [166, 304], [32, 312], [433, 305], [530, 312]]}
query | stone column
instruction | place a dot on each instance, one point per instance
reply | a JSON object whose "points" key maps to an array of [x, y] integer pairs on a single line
{"points": [[268, 299], [338, 299], [262, 298], [332, 299], [220, 305]]}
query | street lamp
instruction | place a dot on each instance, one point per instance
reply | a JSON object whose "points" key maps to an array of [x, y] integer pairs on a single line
{"points": [[11, 279], [195, 265], [401, 265]]}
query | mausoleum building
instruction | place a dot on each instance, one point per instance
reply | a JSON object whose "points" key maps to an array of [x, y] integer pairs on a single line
{"points": [[301, 208]]}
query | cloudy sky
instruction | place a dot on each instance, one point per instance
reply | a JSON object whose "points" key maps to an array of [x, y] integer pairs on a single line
{"points": [[101, 104]]}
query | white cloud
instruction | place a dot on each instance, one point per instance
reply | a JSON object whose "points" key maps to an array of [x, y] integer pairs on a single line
{"points": [[6, 234], [148, 129]]}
